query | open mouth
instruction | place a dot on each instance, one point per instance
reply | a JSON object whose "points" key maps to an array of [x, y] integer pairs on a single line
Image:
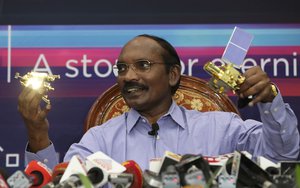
{"points": [[133, 88]]}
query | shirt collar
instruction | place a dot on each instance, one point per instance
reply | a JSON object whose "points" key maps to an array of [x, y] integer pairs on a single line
{"points": [[132, 118], [177, 114], [174, 111]]}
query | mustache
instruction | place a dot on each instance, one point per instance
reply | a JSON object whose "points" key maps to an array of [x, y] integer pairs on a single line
{"points": [[128, 85]]}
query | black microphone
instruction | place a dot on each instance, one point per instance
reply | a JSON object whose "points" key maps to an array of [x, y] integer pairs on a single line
{"points": [[250, 174], [154, 130]]}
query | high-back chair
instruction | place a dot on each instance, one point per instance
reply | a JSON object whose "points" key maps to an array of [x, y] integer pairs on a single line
{"points": [[193, 93]]}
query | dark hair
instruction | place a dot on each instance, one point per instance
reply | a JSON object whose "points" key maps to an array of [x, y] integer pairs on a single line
{"points": [[170, 56]]}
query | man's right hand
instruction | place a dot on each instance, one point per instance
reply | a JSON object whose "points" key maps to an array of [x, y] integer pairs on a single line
{"points": [[35, 118]]}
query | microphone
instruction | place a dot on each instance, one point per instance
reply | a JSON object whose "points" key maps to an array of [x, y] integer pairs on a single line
{"points": [[133, 168], [75, 180], [248, 173], [106, 164], [93, 177], [194, 169], [3, 177], [123, 180], [39, 173], [154, 130], [75, 166], [19, 179], [169, 158], [151, 179], [57, 174], [267, 165], [170, 178]]}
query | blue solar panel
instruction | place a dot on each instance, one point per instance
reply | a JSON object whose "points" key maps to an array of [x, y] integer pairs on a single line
{"points": [[237, 46]]}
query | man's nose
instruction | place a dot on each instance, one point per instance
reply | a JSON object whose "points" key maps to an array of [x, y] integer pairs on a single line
{"points": [[131, 73]]}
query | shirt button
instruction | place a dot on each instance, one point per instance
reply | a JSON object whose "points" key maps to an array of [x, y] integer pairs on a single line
{"points": [[45, 160], [266, 112], [275, 109], [143, 120], [283, 131]]}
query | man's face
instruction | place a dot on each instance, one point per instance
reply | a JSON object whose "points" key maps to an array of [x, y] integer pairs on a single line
{"points": [[148, 90]]}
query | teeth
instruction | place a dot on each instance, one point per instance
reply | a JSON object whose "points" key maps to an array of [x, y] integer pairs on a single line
{"points": [[132, 90]]}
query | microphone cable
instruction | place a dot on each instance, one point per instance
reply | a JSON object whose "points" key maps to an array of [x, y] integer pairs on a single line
{"points": [[154, 132]]}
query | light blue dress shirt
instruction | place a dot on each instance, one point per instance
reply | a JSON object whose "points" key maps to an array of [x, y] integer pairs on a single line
{"points": [[185, 131]]}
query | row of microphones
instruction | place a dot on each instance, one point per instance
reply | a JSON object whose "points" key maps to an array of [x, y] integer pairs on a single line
{"points": [[96, 170], [232, 170], [245, 171], [91, 172], [171, 171], [175, 171]]}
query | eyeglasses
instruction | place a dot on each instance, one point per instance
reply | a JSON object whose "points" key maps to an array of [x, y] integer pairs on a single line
{"points": [[140, 66]]}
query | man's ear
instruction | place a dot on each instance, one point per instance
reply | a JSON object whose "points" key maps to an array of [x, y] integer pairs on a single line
{"points": [[174, 75]]}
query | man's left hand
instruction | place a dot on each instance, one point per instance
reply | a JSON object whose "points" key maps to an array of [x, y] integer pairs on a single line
{"points": [[257, 84]]}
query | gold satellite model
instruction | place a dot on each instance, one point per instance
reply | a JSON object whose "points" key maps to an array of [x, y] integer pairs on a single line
{"points": [[39, 81], [227, 77]]}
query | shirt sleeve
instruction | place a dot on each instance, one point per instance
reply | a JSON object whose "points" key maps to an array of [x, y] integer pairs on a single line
{"points": [[277, 138], [280, 130], [47, 156]]}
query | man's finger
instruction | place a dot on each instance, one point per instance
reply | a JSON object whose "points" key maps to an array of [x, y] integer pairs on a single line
{"points": [[259, 97], [44, 112]]}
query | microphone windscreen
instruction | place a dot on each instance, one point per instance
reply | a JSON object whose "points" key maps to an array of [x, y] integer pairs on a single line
{"points": [[19, 179], [248, 172], [106, 164], [75, 166], [169, 158], [59, 170], [95, 175], [133, 168], [191, 161], [37, 178], [40, 172]]}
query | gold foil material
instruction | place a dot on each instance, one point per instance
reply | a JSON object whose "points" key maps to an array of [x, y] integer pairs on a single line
{"points": [[38, 81], [224, 77]]}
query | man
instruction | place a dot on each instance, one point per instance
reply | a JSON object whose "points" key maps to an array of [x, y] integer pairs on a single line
{"points": [[148, 75]]}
